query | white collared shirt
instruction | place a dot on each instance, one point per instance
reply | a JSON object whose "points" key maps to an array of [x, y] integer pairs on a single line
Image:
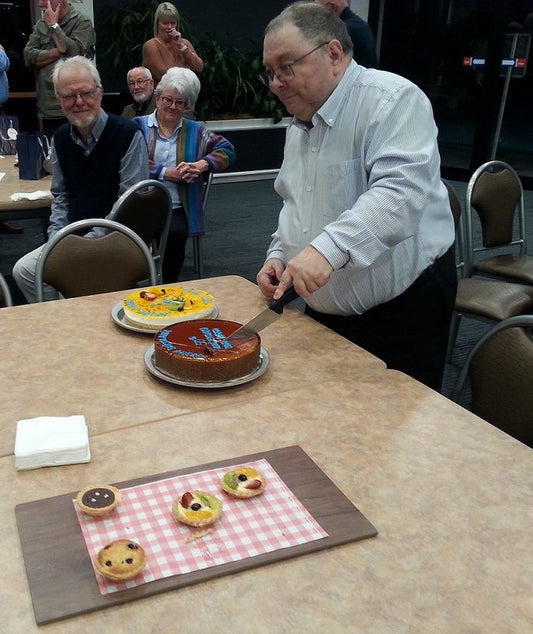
{"points": [[362, 185]]}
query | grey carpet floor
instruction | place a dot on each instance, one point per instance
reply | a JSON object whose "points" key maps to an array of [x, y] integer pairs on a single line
{"points": [[240, 220]]}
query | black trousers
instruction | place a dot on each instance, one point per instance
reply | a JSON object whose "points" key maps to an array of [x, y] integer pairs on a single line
{"points": [[175, 249], [410, 332]]}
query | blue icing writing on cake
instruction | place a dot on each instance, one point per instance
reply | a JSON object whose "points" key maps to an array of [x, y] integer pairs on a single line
{"points": [[214, 338]]}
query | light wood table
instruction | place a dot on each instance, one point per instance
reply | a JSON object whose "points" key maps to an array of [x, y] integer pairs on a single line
{"points": [[11, 184], [450, 495], [78, 361]]}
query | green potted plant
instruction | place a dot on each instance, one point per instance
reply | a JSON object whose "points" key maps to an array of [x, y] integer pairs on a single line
{"points": [[125, 30], [230, 88]]}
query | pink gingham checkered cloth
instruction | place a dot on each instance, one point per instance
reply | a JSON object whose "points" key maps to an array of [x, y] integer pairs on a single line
{"points": [[274, 520]]}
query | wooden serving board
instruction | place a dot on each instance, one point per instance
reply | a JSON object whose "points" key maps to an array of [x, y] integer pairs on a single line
{"points": [[60, 574]]}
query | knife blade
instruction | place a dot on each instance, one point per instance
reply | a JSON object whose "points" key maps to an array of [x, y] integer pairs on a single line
{"points": [[264, 318]]}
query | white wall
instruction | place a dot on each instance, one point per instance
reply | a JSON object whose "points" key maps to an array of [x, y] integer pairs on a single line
{"points": [[85, 7], [358, 6]]}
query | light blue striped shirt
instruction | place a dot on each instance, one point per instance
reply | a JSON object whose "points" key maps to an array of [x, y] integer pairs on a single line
{"points": [[363, 187]]}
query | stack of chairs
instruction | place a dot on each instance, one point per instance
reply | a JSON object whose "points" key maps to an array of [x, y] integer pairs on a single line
{"points": [[498, 287]]}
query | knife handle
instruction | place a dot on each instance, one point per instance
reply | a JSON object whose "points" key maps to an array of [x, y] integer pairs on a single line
{"points": [[288, 296]]}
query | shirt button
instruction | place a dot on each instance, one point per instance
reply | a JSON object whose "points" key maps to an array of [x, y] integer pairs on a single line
{"points": [[308, 188]]}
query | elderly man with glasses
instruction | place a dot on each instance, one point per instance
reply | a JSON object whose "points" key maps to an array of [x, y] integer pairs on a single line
{"points": [[96, 157], [365, 233], [141, 87]]}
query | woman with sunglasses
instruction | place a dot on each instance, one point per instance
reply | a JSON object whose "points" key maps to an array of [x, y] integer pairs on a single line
{"points": [[182, 152], [168, 48]]}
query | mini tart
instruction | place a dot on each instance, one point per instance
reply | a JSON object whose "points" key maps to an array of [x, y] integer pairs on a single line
{"points": [[243, 482], [197, 508], [120, 560], [98, 500]]}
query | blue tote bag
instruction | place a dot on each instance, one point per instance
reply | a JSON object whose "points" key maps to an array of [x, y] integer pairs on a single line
{"points": [[33, 149]]}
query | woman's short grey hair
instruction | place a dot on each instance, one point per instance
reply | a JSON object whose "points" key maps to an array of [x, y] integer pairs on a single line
{"points": [[316, 22], [78, 62], [183, 81], [166, 10]]}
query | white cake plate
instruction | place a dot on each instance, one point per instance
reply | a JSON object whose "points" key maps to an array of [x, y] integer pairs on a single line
{"points": [[117, 314]]}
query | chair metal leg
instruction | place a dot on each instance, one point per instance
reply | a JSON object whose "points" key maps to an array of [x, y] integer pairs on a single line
{"points": [[452, 337], [197, 254]]}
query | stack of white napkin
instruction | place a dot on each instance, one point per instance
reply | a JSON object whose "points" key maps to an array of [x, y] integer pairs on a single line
{"points": [[48, 441], [40, 193]]}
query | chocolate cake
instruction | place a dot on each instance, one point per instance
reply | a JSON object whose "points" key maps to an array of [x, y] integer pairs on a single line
{"points": [[198, 351]]}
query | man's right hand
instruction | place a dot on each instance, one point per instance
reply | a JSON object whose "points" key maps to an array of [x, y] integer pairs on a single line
{"points": [[50, 16]]}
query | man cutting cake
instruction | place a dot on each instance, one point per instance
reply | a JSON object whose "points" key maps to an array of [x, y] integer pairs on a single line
{"points": [[365, 231]]}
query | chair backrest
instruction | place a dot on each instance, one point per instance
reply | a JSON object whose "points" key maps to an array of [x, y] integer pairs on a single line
{"points": [[495, 193], [75, 265], [500, 369], [458, 220], [455, 203], [146, 208], [207, 188], [5, 294]]}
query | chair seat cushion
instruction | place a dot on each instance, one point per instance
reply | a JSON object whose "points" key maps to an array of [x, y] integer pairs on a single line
{"points": [[519, 267], [493, 299]]}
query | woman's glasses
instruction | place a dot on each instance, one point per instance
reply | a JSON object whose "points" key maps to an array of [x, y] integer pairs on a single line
{"points": [[179, 103]]}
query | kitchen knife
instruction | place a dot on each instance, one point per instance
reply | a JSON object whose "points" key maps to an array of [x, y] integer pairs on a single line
{"points": [[265, 318]]}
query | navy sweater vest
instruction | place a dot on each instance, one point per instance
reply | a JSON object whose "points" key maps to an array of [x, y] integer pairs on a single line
{"points": [[92, 182]]}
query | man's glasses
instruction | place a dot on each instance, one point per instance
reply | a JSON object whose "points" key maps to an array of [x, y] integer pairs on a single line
{"points": [[137, 82], [84, 96], [179, 103], [286, 71]]}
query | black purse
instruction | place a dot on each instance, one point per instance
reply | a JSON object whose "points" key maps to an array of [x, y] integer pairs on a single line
{"points": [[33, 149], [9, 130]]}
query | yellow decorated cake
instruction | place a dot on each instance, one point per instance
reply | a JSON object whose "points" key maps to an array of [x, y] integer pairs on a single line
{"points": [[157, 307]]}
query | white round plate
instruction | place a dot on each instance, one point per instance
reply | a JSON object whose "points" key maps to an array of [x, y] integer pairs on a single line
{"points": [[261, 368], [117, 314]]}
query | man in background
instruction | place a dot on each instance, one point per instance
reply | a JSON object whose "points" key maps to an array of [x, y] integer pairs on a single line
{"points": [[141, 87], [364, 45], [60, 33], [95, 158]]}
